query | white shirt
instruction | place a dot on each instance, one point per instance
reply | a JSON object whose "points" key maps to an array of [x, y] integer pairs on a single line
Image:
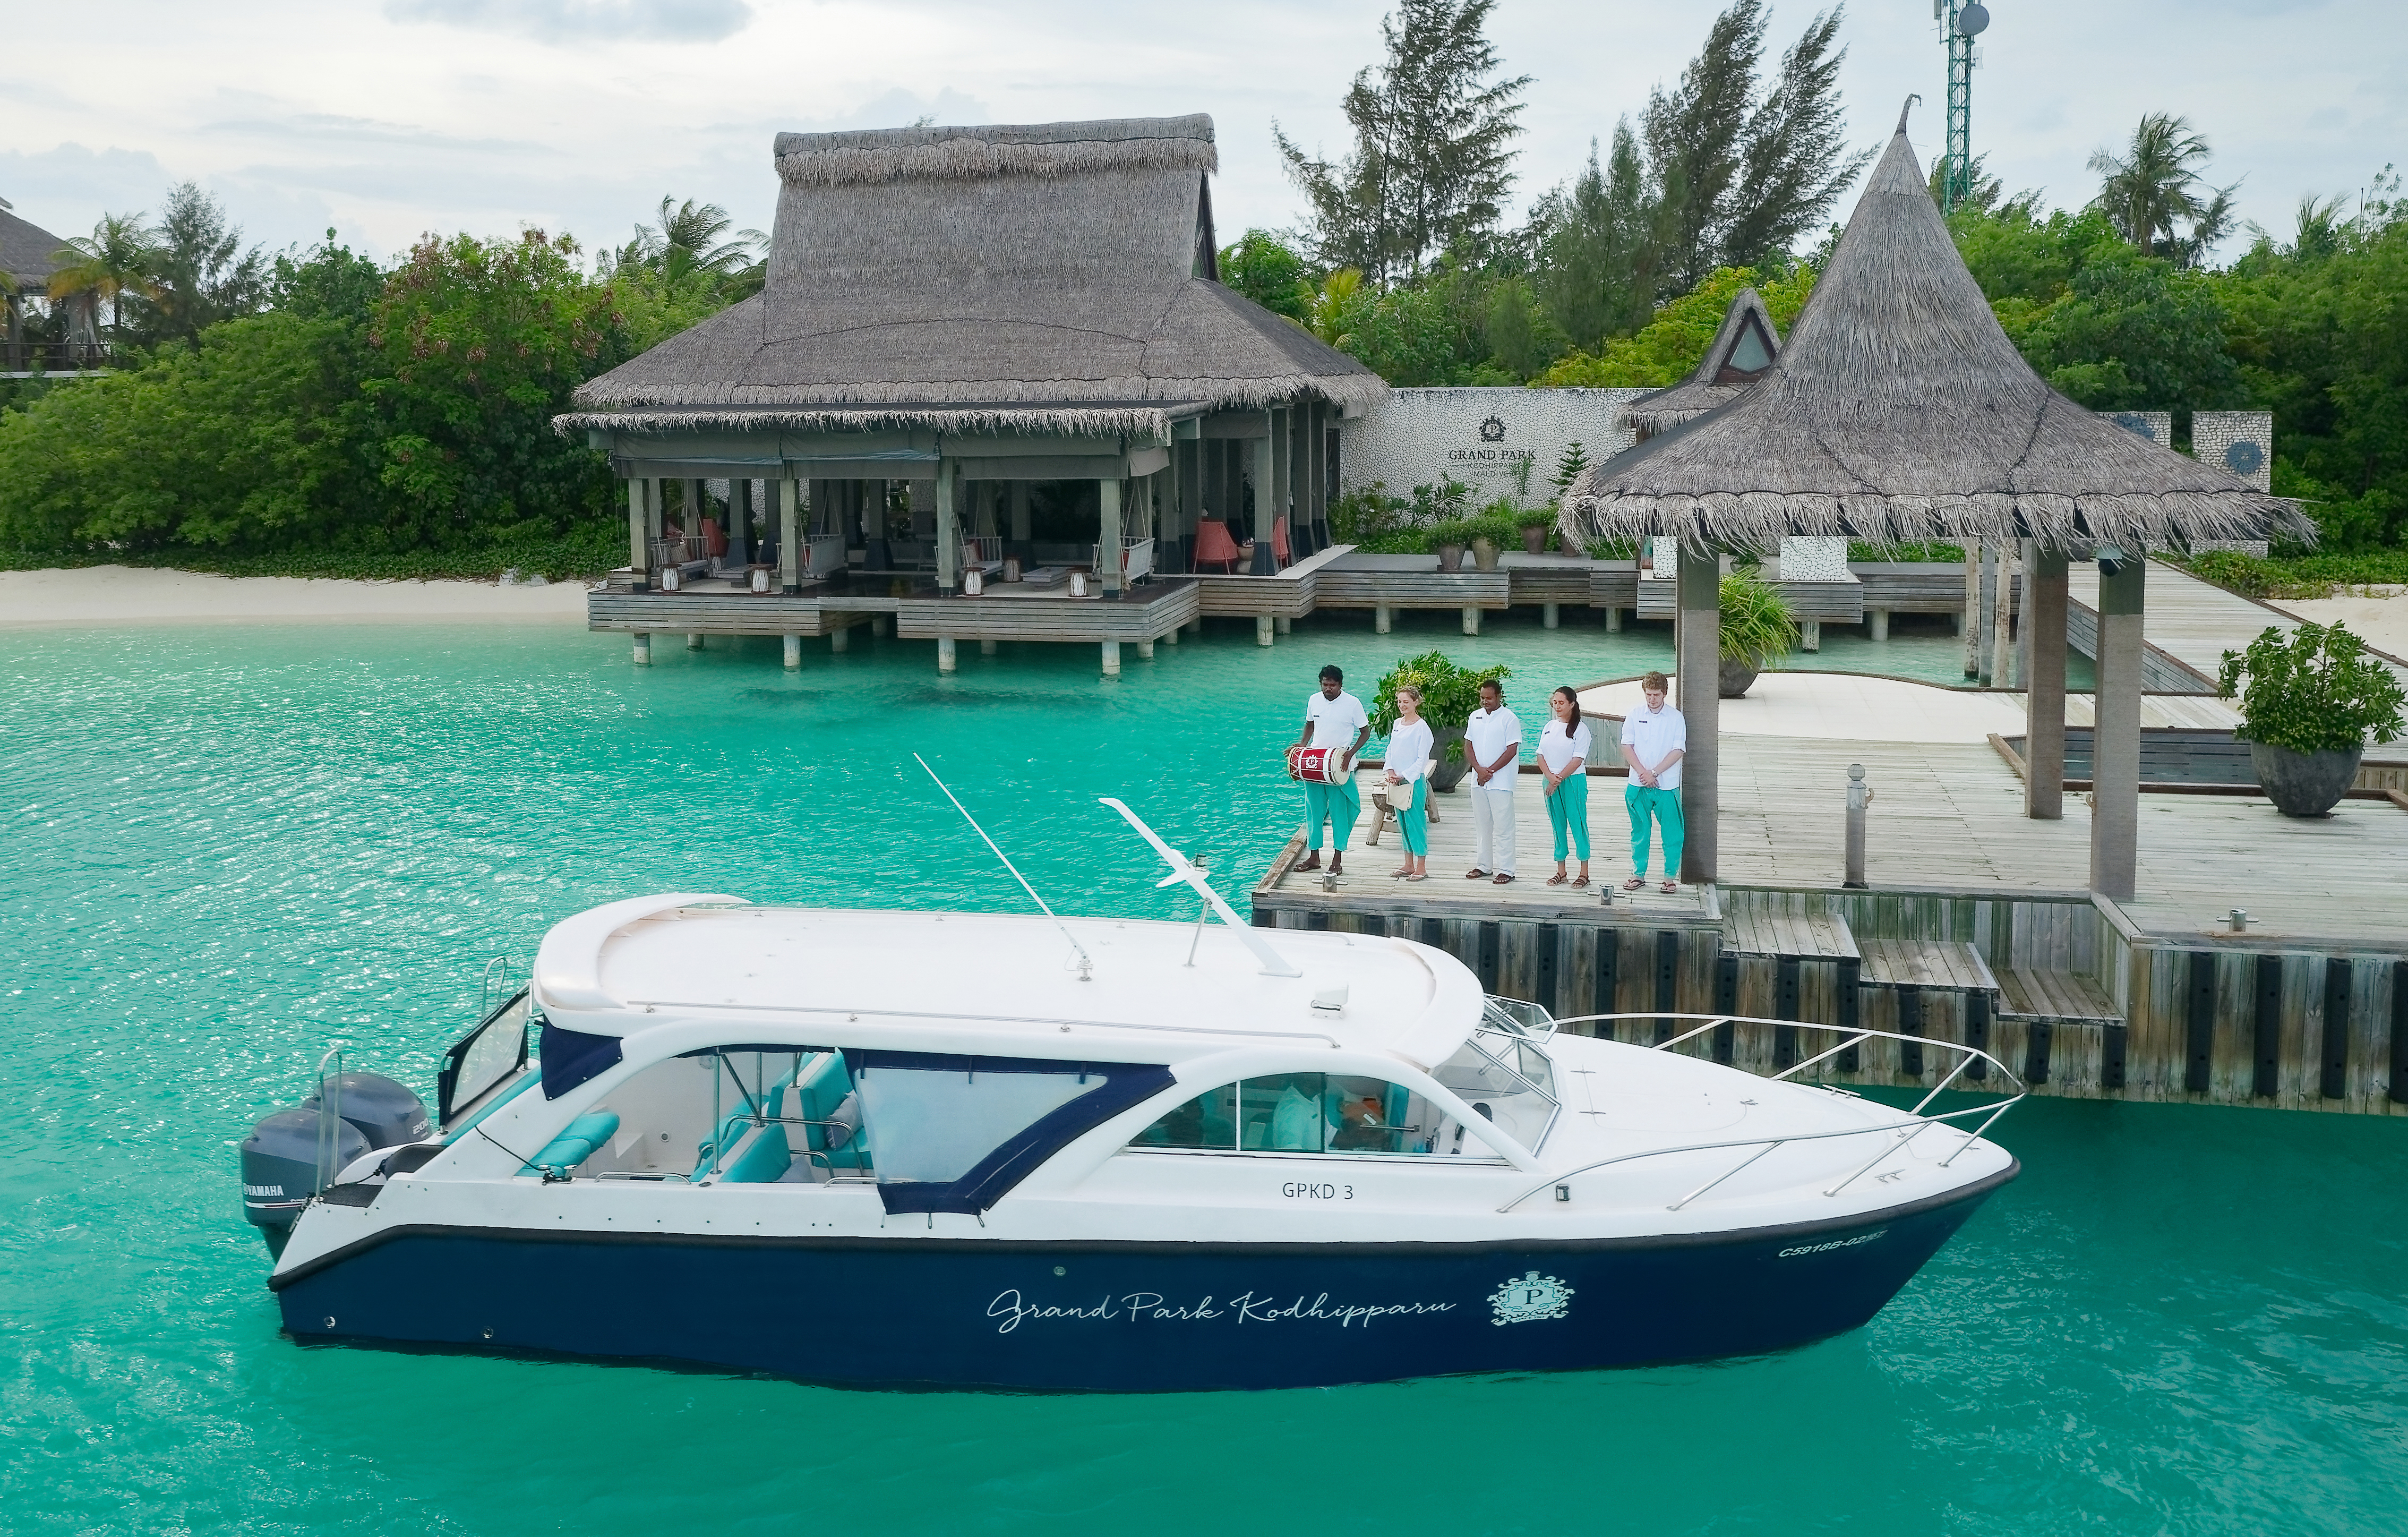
{"points": [[1651, 734], [1557, 749], [1409, 750], [1488, 733], [1335, 721]]}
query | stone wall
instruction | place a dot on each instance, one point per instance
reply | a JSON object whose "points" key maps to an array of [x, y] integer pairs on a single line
{"points": [[1481, 436]]}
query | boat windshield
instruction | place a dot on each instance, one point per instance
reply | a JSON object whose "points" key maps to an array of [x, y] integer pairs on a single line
{"points": [[1504, 1072]]}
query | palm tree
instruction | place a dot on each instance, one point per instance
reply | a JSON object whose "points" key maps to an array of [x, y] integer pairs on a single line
{"points": [[688, 238], [1330, 308], [119, 256], [2153, 189]]}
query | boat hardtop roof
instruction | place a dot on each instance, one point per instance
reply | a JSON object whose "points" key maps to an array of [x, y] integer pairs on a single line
{"points": [[620, 968]]}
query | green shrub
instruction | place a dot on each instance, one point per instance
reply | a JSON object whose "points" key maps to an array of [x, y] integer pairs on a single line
{"points": [[1757, 623], [1906, 554], [1375, 520], [1457, 531], [2315, 691], [1448, 694], [2297, 576]]}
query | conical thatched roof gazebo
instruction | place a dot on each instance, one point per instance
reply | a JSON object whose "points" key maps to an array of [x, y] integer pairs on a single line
{"points": [[1743, 352], [1899, 411], [976, 312]]}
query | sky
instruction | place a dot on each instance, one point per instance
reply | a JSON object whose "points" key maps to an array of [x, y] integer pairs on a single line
{"points": [[385, 119]]}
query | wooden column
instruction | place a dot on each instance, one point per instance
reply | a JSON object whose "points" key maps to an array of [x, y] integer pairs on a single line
{"points": [[639, 556], [790, 533], [2044, 691], [2115, 730], [1300, 480], [1266, 479], [949, 531], [1108, 548], [1968, 623], [2003, 608], [1699, 672], [1020, 511], [739, 522], [1282, 475]]}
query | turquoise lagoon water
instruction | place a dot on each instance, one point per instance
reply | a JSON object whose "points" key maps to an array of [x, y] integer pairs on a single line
{"points": [[227, 848]]}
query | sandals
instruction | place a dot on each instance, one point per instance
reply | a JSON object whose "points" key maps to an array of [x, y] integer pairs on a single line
{"points": [[1580, 881], [1637, 882], [1417, 877], [1475, 875], [1671, 888], [1403, 874], [1504, 879], [1557, 879]]}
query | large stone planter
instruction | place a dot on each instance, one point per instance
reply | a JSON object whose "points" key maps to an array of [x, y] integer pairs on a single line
{"points": [[1485, 554], [1451, 768], [2304, 784], [1734, 680], [1450, 558], [1534, 540]]}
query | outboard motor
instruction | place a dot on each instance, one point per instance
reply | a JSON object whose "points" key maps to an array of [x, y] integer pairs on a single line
{"points": [[280, 1170], [381, 1109], [279, 1158]]}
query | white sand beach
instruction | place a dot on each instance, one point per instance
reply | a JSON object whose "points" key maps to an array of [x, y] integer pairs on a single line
{"points": [[2380, 621], [117, 597]]}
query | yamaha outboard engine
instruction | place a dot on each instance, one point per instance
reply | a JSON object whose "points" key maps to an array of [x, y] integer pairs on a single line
{"points": [[280, 1170], [381, 1109], [279, 1158]]}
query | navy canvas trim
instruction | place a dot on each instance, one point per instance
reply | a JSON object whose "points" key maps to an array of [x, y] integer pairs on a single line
{"points": [[859, 1059], [571, 1057]]}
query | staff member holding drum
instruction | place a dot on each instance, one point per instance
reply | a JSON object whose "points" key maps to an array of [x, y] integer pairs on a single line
{"points": [[1331, 715]]}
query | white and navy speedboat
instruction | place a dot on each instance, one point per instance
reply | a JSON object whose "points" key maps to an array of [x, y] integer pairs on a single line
{"points": [[968, 1150]]}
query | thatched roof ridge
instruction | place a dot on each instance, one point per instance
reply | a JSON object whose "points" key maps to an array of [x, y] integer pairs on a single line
{"points": [[945, 276], [997, 149], [1145, 421], [1897, 412], [1699, 394]]}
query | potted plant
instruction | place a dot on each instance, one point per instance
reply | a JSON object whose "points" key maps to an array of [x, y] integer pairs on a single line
{"points": [[1756, 627], [1448, 539], [1449, 695], [1536, 525], [1498, 527], [2310, 703]]}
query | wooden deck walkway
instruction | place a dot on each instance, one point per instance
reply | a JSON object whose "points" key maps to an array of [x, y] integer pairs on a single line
{"points": [[2193, 620], [1947, 817]]}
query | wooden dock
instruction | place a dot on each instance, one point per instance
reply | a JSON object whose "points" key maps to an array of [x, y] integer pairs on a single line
{"points": [[1976, 927]]}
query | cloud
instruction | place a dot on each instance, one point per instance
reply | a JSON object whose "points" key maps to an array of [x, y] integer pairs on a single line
{"points": [[584, 21], [67, 189]]}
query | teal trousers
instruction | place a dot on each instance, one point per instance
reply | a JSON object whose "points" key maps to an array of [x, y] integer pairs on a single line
{"points": [[1567, 815], [1663, 808], [1337, 804], [1413, 816]]}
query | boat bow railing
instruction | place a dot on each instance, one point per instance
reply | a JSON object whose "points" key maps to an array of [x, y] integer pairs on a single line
{"points": [[1896, 1135]]}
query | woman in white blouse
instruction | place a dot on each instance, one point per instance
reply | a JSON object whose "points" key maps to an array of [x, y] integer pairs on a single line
{"points": [[1563, 767], [1408, 778]]}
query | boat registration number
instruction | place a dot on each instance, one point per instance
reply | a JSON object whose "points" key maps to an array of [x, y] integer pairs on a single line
{"points": [[1303, 1190]]}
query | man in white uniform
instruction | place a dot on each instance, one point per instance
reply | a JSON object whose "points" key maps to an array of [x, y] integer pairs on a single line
{"points": [[1654, 738], [1331, 717], [1493, 736]]}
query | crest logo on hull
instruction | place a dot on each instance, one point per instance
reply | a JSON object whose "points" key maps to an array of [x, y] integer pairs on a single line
{"points": [[1531, 1298]]}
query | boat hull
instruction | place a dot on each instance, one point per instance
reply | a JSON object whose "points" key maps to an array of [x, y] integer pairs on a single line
{"points": [[1118, 1317]]}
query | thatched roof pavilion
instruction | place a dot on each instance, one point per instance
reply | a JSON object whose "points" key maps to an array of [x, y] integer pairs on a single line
{"points": [[992, 308], [29, 254], [1743, 350], [1899, 411]]}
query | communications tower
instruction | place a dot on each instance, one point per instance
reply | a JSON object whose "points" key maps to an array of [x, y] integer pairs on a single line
{"points": [[1961, 22]]}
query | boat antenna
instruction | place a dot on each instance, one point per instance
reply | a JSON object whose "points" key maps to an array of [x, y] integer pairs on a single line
{"points": [[1181, 869], [1086, 965]]}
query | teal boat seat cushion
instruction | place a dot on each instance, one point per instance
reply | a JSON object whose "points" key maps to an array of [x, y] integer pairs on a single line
{"points": [[576, 1142], [762, 1158]]}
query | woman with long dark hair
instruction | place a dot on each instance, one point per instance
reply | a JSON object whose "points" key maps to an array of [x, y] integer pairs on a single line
{"points": [[1563, 768]]}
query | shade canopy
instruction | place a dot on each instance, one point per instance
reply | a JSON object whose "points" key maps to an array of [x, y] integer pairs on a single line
{"points": [[1049, 278], [28, 252], [1899, 411], [1743, 352]]}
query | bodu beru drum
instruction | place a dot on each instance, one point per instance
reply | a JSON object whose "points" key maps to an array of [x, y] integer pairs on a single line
{"points": [[1319, 765]]}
